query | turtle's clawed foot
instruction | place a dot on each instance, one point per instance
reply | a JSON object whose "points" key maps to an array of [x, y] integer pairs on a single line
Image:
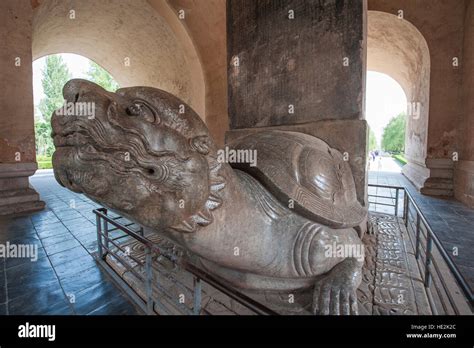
{"points": [[335, 292]]}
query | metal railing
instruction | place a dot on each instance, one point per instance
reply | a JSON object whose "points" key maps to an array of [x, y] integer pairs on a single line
{"points": [[104, 240], [435, 264], [386, 199]]}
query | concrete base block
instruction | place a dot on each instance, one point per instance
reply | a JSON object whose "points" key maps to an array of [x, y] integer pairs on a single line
{"points": [[434, 177], [464, 182], [16, 195], [416, 173]]}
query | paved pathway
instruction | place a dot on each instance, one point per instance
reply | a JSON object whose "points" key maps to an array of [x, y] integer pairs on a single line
{"points": [[65, 279], [385, 164]]}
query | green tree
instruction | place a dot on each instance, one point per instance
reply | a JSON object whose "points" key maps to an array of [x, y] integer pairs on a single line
{"points": [[393, 138], [99, 75], [44, 143], [372, 140], [55, 76]]}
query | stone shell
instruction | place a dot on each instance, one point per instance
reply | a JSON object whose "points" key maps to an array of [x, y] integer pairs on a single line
{"points": [[305, 174]]}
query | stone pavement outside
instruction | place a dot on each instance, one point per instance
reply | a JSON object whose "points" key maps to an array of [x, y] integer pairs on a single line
{"points": [[385, 164], [65, 279]]}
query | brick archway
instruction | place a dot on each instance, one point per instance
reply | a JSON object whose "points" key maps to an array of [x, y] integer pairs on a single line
{"points": [[396, 48], [113, 34]]}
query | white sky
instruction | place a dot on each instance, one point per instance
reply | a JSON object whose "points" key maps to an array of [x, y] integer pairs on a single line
{"points": [[385, 99], [77, 65]]}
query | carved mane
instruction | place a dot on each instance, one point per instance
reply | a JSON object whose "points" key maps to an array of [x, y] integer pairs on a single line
{"points": [[204, 216]]}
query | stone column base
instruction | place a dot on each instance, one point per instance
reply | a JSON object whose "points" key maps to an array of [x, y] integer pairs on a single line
{"points": [[16, 194], [434, 177], [464, 182]]}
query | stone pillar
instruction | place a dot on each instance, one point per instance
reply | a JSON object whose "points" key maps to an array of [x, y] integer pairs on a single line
{"points": [[464, 168], [300, 65], [17, 140]]}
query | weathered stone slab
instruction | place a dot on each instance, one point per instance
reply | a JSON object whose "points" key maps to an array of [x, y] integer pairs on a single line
{"points": [[274, 70]]}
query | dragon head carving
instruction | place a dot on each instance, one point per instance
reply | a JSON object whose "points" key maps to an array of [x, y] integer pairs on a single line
{"points": [[141, 152]]}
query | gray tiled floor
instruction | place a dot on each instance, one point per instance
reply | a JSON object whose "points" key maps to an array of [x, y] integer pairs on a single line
{"points": [[450, 220], [65, 279]]}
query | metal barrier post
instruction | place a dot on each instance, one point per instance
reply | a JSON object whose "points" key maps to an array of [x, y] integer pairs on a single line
{"points": [[99, 236], [417, 250], [148, 281], [405, 207], [429, 245], [396, 202], [407, 203], [106, 236], [197, 296]]}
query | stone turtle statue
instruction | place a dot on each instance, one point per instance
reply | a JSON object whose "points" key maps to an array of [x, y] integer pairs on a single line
{"points": [[274, 226]]}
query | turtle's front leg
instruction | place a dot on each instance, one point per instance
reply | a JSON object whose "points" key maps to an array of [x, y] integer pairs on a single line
{"points": [[335, 292]]}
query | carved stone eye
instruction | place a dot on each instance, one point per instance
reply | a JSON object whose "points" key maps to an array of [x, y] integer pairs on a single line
{"points": [[141, 109], [134, 110]]}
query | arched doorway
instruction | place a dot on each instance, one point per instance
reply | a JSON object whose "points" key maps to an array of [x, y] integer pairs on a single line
{"points": [[396, 48], [386, 105], [50, 74], [114, 35]]}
